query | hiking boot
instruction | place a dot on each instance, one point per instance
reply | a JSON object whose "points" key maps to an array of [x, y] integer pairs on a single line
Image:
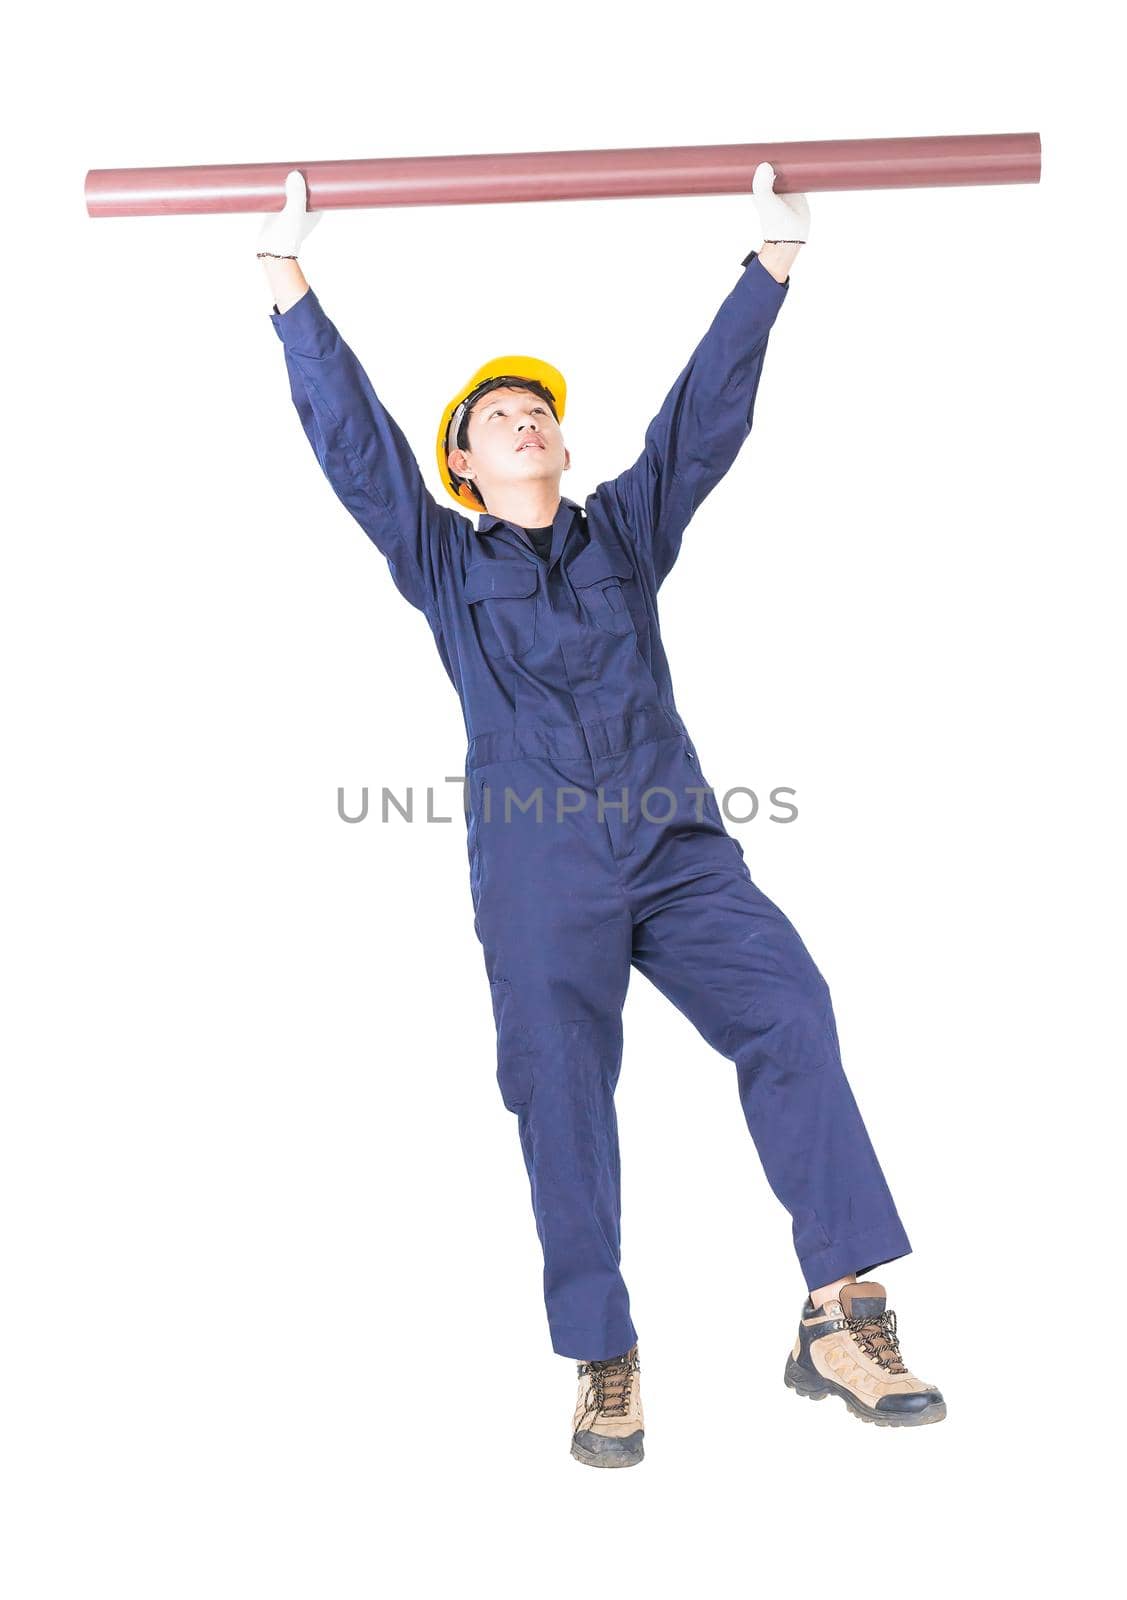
{"points": [[608, 1422], [848, 1347]]}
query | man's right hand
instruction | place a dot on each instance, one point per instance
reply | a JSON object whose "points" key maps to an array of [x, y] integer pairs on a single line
{"points": [[283, 232], [279, 240]]}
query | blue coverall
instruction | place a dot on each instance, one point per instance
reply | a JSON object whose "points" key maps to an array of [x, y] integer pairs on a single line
{"points": [[565, 690]]}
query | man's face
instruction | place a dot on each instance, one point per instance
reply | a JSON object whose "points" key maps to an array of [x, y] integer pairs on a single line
{"points": [[513, 438]]}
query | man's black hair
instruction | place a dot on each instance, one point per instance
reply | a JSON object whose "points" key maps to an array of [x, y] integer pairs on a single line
{"points": [[462, 441]]}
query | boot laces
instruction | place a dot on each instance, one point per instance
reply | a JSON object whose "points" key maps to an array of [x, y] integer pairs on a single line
{"points": [[877, 1338], [611, 1382]]}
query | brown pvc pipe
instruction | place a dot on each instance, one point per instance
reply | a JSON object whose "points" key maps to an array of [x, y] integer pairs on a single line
{"points": [[802, 166]]}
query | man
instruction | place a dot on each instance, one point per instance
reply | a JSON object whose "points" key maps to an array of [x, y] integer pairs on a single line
{"points": [[594, 841]]}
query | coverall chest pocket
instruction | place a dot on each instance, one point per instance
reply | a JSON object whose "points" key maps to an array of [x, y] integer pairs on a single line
{"points": [[608, 589], [502, 599]]}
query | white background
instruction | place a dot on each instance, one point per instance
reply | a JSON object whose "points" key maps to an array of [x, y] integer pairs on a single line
{"points": [[272, 1317]]}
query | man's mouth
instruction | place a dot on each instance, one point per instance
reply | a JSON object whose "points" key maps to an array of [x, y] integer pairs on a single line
{"points": [[529, 444]]}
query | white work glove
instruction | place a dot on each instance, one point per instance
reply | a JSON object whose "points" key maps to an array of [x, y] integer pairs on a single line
{"points": [[283, 231], [784, 218]]}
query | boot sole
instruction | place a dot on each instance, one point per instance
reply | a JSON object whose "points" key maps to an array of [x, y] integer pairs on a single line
{"points": [[590, 1460], [815, 1387]]}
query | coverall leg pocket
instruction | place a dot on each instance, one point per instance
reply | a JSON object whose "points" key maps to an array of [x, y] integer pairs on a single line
{"points": [[514, 1058]]}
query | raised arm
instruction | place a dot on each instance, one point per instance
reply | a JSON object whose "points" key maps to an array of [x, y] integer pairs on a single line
{"points": [[707, 414], [703, 421], [360, 447]]}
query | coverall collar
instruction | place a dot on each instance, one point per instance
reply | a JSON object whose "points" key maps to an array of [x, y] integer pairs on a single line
{"points": [[561, 523]]}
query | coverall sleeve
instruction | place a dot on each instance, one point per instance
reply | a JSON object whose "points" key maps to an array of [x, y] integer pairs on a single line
{"points": [[703, 422], [364, 454]]}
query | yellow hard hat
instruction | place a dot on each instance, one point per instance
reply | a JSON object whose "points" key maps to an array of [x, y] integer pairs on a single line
{"points": [[526, 367]]}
